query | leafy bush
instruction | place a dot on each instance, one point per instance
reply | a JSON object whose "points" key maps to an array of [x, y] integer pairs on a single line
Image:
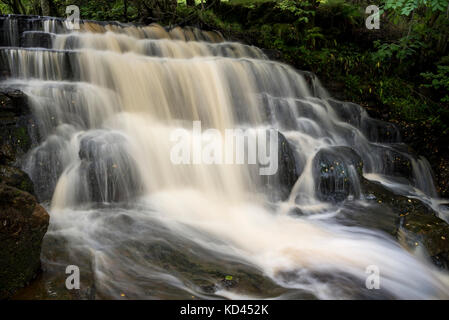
{"points": [[439, 81]]}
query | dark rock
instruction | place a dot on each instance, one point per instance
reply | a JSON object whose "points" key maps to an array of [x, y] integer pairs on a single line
{"points": [[12, 26], [108, 168], [279, 185], [442, 176], [15, 177], [36, 39], [347, 111], [417, 224], [63, 60], [13, 102], [15, 119], [23, 223], [423, 229], [273, 54], [337, 172], [410, 220], [380, 131], [373, 129], [287, 168], [394, 160]]}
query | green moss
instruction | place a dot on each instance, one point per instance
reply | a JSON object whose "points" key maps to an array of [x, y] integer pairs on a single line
{"points": [[21, 137]]}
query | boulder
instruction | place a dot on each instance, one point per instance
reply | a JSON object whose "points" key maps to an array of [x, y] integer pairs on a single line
{"points": [[23, 223], [411, 221], [380, 131], [419, 228], [15, 120], [15, 177], [337, 172], [279, 185], [396, 162], [107, 167], [417, 225]]}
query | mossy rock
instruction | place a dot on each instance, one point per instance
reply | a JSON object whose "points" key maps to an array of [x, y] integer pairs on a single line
{"points": [[15, 177], [427, 230], [416, 223], [23, 223], [15, 119]]}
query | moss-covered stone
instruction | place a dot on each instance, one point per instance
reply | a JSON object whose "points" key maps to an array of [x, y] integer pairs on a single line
{"points": [[427, 230], [416, 224], [15, 118], [16, 178], [23, 223]]}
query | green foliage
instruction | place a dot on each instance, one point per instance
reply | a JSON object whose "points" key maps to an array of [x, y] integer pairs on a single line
{"points": [[300, 9], [405, 7], [425, 33], [4, 8], [402, 49], [341, 9], [439, 81]]}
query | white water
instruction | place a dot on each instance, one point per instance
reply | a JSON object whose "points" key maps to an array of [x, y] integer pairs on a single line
{"points": [[106, 100]]}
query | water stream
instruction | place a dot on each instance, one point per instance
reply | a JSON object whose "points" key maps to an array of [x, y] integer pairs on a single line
{"points": [[106, 99]]}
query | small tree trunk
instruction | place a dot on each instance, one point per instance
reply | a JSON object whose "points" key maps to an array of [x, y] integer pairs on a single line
{"points": [[190, 3], [45, 6], [125, 10]]}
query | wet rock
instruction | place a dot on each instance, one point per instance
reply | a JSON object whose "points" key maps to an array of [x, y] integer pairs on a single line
{"points": [[67, 69], [416, 223], [108, 168], [337, 171], [15, 177], [15, 118], [279, 185], [396, 163], [380, 131], [423, 229], [273, 54], [23, 223], [35, 39], [402, 205], [13, 102], [410, 220], [12, 26], [374, 130], [347, 111]]}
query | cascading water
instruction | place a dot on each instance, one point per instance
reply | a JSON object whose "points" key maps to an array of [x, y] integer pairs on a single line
{"points": [[106, 99]]}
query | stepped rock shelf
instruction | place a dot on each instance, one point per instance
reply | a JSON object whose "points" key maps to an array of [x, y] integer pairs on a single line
{"points": [[86, 118]]}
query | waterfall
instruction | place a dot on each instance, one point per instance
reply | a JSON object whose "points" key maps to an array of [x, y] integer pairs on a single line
{"points": [[106, 100]]}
